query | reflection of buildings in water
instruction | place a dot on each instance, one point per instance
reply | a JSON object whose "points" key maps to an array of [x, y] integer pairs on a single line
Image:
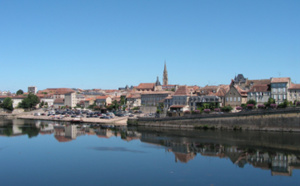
{"points": [[104, 133], [67, 133], [132, 135], [185, 150], [47, 129]]}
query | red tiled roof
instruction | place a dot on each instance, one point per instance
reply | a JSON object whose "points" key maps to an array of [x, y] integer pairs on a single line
{"points": [[257, 82], [260, 88], [59, 91], [102, 97], [295, 86], [146, 86], [280, 80], [182, 91]]}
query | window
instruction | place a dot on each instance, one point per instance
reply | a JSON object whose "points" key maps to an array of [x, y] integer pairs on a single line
{"points": [[234, 99], [239, 99], [227, 99], [230, 98], [284, 96]]}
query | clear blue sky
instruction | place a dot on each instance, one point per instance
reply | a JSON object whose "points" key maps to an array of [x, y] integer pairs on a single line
{"points": [[110, 44]]}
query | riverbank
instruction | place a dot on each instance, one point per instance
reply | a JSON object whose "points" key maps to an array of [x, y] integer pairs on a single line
{"points": [[287, 120], [114, 121]]}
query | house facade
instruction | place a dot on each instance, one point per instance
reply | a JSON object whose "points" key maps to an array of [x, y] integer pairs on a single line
{"points": [[259, 93], [294, 93], [279, 89], [235, 96], [103, 100]]}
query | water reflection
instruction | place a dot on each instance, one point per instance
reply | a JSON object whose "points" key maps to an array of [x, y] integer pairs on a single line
{"points": [[277, 152]]}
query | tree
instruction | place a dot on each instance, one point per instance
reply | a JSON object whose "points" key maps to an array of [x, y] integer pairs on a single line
{"points": [[7, 104], [29, 102], [20, 92], [251, 101], [270, 101]]}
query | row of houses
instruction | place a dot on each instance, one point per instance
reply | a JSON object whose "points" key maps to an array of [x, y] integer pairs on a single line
{"points": [[238, 92]]}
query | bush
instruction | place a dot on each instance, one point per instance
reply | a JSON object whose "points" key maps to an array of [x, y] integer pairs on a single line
{"points": [[226, 108], [239, 108], [196, 112], [298, 104], [250, 106], [261, 106], [206, 110], [273, 105], [217, 110], [251, 101]]}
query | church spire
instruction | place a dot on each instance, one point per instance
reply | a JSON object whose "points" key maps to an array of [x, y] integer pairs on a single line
{"points": [[165, 79]]}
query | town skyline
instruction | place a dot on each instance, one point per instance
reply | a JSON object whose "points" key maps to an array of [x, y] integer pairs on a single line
{"points": [[107, 45]]}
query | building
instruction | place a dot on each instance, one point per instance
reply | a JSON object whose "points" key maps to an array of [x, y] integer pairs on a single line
{"points": [[32, 89], [70, 99], [198, 101], [235, 96], [259, 93], [294, 93], [133, 100], [146, 87], [279, 88], [180, 99], [165, 75], [153, 98], [103, 100]]}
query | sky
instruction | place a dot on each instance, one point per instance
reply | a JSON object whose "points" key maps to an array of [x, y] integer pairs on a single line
{"points": [[109, 44]]}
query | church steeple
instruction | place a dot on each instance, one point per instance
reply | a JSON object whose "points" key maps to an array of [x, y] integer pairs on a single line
{"points": [[165, 79]]}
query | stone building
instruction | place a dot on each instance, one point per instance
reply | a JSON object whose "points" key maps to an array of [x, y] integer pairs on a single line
{"points": [[279, 89], [235, 96], [294, 93], [260, 93]]}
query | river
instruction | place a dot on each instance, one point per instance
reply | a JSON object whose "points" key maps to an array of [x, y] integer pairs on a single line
{"points": [[49, 153]]}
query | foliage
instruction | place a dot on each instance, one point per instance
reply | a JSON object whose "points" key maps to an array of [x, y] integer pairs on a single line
{"points": [[42, 104], [273, 105], [284, 104], [251, 101], [7, 104], [261, 106], [160, 108], [123, 100], [250, 106], [239, 108], [298, 104], [206, 110], [20, 92], [244, 106], [270, 101], [196, 112], [113, 106], [226, 108], [29, 102], [217, 110], [136, 108]]}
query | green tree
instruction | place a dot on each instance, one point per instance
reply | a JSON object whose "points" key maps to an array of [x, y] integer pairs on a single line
{"points": [[251, 101], [270, 101], [7, 104], [20, 92], [29, 102]]}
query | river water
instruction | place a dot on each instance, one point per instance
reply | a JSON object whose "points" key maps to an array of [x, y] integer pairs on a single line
{"points": [[48, 153]]}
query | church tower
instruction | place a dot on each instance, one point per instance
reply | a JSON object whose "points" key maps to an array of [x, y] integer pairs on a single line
{"points": [[165, 79]]}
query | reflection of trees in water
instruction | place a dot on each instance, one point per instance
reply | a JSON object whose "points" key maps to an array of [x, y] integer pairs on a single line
{"points": [[30, 131]]}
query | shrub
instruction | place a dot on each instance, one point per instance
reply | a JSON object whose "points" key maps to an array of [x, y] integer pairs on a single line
{"points": [[298, 103], [206, 110], [226, 108], [196, 112], [250, 106], [217, 110], [261, 106], [273, 105], [239, 108]]}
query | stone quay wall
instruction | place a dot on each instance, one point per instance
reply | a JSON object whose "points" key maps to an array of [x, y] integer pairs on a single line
{"points": [[265, 120]]}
